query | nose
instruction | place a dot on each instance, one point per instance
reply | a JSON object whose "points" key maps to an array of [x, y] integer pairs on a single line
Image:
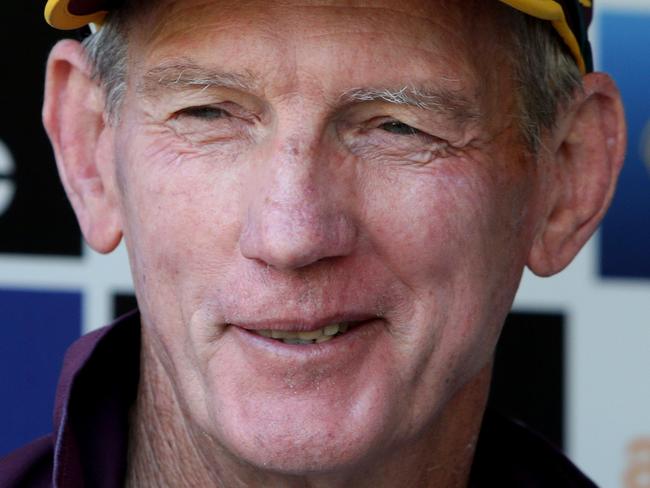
{"points": [[299, 210]]}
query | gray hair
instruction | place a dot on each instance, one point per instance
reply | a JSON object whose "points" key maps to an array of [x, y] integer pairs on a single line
{"points": [[545, 74], [107, 51]]}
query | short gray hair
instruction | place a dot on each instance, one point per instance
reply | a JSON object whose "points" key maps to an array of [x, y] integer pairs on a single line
{"points": [[546, 75], [107, 51]]}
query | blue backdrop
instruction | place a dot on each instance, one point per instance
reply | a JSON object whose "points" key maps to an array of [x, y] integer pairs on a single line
{"points": [[625, 53], [38, 328]]}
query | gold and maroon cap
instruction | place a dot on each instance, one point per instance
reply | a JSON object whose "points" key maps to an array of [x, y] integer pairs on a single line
{"points": [[570, 18], [73, 14]]}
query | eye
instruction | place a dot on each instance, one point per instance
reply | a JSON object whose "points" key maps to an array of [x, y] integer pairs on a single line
{"points": [[399, 128], [205, 112]]}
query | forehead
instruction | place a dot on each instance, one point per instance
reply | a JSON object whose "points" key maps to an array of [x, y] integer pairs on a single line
{"points": [[445, 40]]}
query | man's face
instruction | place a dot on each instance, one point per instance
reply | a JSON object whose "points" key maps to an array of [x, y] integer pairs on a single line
{"points": [[272, 178]]}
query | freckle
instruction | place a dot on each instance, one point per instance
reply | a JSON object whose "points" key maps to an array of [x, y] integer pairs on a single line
{"points": [[293, 146]]}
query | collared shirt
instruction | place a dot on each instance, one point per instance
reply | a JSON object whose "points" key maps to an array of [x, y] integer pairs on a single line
{"points": [[98, 386]]}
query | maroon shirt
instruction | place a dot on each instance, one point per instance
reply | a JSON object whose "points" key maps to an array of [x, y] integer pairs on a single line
{"points": [[98, 385]]}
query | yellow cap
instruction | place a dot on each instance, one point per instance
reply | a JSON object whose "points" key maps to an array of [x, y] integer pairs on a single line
{"points": [[554, 11], [73, 14]]}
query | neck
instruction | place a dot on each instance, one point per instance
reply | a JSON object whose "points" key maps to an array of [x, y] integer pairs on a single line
{"points": [[162, 448], [167, 449]]}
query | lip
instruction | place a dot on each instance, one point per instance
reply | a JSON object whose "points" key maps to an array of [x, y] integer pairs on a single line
{"points": [[305, 325], [340, 349]]}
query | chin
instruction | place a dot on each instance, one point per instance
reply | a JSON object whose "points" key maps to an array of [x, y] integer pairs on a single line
{"points": [[299, 443], [314, 455]]}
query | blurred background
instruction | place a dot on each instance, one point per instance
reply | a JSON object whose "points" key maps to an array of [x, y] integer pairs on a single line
{"points": [[574, 359]]}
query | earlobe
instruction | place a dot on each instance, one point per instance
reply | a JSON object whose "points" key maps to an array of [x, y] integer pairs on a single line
{"points": [[73, 115], [588, 149]]}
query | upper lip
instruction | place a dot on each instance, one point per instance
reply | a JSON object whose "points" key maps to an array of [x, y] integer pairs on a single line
{"points": [[303, 325]]}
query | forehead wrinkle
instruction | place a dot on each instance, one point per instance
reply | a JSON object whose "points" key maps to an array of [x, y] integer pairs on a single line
{"points": [[440, 100], [186, 74]]}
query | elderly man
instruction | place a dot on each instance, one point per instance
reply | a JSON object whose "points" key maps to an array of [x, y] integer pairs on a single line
{"points": [[327, 206]]}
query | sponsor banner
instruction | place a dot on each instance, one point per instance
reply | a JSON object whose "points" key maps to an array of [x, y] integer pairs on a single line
{"points": [[637, 473], [35, 217], [7, 185]]}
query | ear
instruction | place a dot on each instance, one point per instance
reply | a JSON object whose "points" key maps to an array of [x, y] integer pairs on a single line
{"points": [[587, 149], [73, 115]]}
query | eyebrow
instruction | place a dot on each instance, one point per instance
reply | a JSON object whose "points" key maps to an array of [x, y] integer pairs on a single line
{"points": [[181, 75], [186, 74], [447, 102]]}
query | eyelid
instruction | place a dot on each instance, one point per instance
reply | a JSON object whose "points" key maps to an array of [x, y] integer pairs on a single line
{"points": [[230, 109], [412, 130], [195, 110], [377, 122], [421, 133]]}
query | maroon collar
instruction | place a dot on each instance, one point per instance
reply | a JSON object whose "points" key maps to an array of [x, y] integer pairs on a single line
{"points": [[97, 387]]}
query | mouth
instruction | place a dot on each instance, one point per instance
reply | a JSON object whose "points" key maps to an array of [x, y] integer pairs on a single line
{"points": [[298, 332], [303, 338], [327, 343]]}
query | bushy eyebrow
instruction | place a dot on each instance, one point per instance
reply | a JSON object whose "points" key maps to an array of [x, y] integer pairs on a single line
{"points": [[441, 100], [181, 75]]}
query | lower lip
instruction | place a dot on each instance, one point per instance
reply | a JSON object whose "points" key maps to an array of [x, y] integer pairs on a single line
{"points": [[358, 337]]}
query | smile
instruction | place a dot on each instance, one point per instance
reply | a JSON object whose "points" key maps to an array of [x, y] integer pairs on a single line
{"points": [[317, 336]]}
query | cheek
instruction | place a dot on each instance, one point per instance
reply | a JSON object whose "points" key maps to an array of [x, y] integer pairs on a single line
{"points": [[180, 226], [452, 236], [436, 222]]}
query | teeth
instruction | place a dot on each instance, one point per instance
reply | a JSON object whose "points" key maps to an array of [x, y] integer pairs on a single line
{"points": [[309, 337], [330, 330], [283, 334]]}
